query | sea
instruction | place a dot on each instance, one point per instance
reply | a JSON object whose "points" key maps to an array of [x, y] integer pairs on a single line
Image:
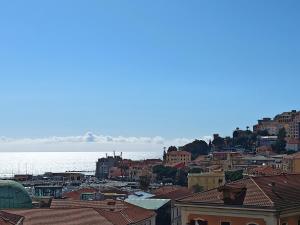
{"points": [[36, 163]]}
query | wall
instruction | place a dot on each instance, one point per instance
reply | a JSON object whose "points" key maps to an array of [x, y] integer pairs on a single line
{"points": [[216, 220], [206, 180]]}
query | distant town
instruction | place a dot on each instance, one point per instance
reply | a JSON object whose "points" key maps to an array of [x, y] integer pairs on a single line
{"points": [[249, 178]]}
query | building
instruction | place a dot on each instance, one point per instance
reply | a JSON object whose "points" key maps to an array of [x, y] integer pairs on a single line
{"points": [[137, 170], [264, 200], [175, 157], [291, 163], [266, 140], [104, 165], [48, 191], [172, 193], [294, 127], [263, 171], [288, 120], [205, 181], [23, 177], [293, 145], [267, 124], [65, 176], [162, 208], [13, 195]]}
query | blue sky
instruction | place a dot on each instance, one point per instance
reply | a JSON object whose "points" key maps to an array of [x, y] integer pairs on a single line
{"points": [[146, 68]]}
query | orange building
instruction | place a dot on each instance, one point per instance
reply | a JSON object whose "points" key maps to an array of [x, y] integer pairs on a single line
{"points": [[264, 200], [175, 157]]}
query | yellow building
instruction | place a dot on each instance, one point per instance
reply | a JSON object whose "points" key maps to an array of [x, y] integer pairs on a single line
{"points": [[175, 157], [291, 163], [206, 181]]}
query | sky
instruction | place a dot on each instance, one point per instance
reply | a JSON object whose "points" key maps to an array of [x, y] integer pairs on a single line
{"points": [[151, 71]]}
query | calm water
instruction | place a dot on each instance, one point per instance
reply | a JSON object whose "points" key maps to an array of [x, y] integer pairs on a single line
{"points": [[40, 162]]}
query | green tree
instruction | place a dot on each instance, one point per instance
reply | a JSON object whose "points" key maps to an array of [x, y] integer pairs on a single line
{"points": [[280, 144], [144, 182], [263, 133], [218, 142], [233, 175], [181, 177], [196, 148], [196, 170], [163, 172], [197, 188], [172, 149]]}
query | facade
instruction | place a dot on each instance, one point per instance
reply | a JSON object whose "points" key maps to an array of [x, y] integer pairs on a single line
{"points": [[13, 195], [175, 157], [206, 180], [269, 125], [266, 140], [48, 191], [104, 165], [138, 170], [291, 163], [265, 200], [293, 144], [288, 120]]}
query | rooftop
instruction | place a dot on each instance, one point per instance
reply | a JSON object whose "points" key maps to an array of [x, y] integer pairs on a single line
{"points": [[117, 212], [61, 217], [171, 192], [276, 192], [152, 204]]}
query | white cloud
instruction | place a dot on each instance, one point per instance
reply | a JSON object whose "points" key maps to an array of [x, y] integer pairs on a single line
{"points": [[90, 142]]}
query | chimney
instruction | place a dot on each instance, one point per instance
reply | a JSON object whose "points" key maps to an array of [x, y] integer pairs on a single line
{"points": [[233, 194], [273, 185]]}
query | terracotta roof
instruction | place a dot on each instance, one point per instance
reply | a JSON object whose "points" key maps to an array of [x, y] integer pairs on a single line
{"points": [[61, 217], [117, 212], [264, 170], [171, 192], [75, 195], [72, 204], [277, 192], [128, 215], [9, 218], [293, 156]]}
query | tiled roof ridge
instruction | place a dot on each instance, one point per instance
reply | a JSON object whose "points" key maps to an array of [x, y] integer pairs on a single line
{"points": [[202, 192], [6, 219], [3, 215], [273, 204], [126, 217]]}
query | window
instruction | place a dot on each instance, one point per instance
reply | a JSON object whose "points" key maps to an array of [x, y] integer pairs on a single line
{"points": [[225, 223]]}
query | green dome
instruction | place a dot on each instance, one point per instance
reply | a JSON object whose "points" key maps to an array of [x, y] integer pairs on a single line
{"points": [[13, 195]]}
